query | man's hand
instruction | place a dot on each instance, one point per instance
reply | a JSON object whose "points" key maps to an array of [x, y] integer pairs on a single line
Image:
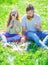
{"points": [[38, 26]]}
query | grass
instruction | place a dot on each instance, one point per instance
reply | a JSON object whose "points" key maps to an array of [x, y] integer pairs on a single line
{"points": [[35, 56]]}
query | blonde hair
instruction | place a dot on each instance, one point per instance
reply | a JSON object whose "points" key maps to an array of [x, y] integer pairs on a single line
{"points": [[10, 17]]}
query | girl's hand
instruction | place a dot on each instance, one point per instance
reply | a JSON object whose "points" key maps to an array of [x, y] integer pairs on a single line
{"points": [[15, 24], [23, 39]]}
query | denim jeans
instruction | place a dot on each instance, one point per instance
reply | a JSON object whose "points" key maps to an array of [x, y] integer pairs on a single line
{"points": [[7, 37], [45, 41], [35, 36]]}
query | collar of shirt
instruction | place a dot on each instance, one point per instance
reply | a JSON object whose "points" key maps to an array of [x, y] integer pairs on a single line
{"points": [[29, 20]]}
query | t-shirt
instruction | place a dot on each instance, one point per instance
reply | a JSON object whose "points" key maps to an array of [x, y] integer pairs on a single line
{"points": [[30, 24], [14, 29]]}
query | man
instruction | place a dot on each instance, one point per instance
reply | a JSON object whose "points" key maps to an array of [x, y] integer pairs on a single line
{"points": [[31, 26]]}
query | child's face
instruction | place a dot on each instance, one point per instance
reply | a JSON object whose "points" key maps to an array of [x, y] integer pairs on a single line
{"points": [[13, 15]]}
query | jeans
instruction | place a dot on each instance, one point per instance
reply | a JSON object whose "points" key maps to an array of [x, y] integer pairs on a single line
{"points": [[7, 37], [35, 36], [42, 34], [45, 40]]}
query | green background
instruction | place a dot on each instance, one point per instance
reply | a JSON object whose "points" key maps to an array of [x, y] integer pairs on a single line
{"points": [[36, 56]]}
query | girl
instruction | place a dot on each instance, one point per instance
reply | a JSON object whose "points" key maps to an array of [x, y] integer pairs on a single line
{"points": [[13, 28]]}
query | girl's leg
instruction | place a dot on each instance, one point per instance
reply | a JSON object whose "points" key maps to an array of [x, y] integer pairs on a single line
{"points": [[9, 35], [10, 38], [16, 37], [4, 40]]}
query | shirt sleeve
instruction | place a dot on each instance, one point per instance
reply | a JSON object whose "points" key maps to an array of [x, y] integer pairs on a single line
{"points": [[38, 20]]}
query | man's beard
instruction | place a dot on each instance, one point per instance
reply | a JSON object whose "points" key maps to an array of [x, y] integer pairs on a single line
{"points": [[29, 17]]}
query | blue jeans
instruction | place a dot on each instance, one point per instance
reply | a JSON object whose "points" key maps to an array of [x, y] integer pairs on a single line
{"points": [[45, 40], [12, 37], [42, 34], [36, 37]]}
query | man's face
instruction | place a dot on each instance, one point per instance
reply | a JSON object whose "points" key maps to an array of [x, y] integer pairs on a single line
{"points": [[30, 14]]}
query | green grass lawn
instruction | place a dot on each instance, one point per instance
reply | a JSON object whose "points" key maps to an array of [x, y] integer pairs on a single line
{"points": [[35, 56]]}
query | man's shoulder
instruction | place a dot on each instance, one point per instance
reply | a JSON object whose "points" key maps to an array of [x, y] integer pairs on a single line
{"points": [[36, 15], [24, 17]]}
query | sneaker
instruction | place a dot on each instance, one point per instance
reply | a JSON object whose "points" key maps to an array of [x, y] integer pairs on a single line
{"points": [[6, 44]]}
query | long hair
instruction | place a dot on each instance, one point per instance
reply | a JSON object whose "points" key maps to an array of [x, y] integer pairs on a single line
{"points": [[10, 17]]}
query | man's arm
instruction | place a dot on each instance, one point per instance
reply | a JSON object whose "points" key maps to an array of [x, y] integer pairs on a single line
{"points": [[38, 26], [38, 23]]}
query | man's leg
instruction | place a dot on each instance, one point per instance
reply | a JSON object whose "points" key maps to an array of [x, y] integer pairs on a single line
{"points": [[34, 37], [42, 34], [45, 41]]}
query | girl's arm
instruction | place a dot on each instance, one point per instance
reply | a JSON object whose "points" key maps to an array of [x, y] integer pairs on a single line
{"points": [[18, 27]]}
